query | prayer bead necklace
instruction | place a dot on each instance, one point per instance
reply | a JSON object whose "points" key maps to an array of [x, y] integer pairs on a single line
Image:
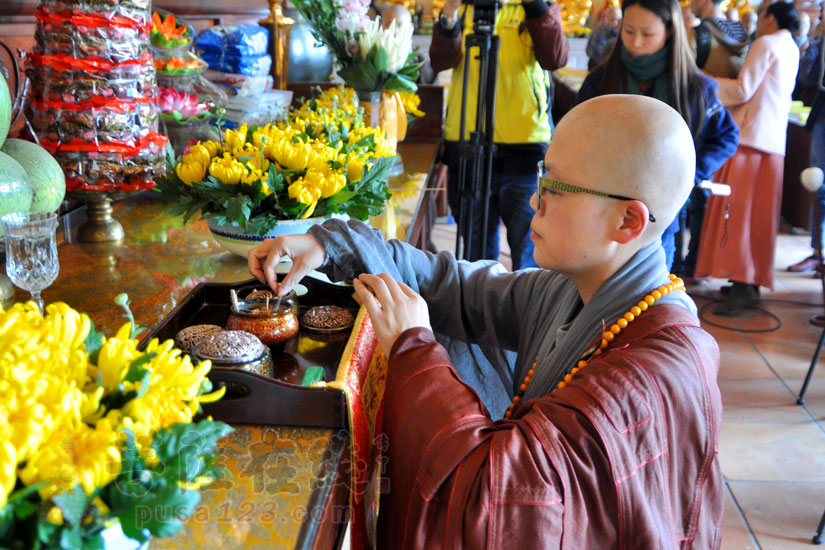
{"points": [[608, 336]]}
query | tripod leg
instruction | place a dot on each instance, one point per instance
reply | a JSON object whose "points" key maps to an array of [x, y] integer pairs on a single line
{"points": [[817, 539], [801, 399]]}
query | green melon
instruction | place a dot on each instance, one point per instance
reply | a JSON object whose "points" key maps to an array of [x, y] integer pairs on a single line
{"points": [[5, 109], [45, 175], [16, 193]]}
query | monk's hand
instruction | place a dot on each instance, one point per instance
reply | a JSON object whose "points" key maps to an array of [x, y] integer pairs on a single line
{"points": [[305, 252], [393, 307]]}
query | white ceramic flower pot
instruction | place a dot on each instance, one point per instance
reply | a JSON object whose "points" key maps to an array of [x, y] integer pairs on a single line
{"points": [[237, 241]]}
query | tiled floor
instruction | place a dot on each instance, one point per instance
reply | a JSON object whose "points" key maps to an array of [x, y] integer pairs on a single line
{"points": [[772, 450]]}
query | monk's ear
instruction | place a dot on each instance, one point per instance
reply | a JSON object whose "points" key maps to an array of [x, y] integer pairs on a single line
{"points": [[635, 217]]}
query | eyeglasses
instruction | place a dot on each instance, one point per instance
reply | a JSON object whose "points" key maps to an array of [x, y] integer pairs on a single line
{"points": [[543, 183]]}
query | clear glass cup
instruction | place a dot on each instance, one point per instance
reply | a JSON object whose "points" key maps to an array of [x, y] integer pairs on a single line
{"points": [[31, 251]]}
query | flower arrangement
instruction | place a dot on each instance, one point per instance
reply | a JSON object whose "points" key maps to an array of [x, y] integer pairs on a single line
{"points": [[176, 65], [166, 33], [94, 432], [184, 107], [323, 160], [370, 58]]}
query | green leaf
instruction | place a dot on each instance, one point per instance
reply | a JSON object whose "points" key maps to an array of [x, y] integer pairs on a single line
{"points": [[399, 83], [73, 504], [341, 197], [239, 208], [71, 539], [95, 542], [137, 368], [382, 58], [24, 510], [93, 342], [361, 76]]}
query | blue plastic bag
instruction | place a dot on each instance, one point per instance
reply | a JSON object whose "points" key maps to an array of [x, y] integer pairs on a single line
{"points": [[237, 40], [250, 65]]}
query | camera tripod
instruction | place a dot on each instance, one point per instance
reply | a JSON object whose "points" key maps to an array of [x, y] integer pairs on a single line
{"points": [[476, 154]]}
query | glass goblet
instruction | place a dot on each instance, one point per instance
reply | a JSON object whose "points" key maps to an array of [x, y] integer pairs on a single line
{"points": [[31, 251]]}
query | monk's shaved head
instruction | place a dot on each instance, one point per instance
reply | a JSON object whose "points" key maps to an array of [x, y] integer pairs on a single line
{"points": [[628, 145]]}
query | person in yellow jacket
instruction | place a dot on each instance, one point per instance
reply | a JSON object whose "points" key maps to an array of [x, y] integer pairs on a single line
{"points": [[532, 43]]}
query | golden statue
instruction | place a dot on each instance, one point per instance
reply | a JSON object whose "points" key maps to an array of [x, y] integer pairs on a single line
{"points": [[574, 16], [279, 28]]}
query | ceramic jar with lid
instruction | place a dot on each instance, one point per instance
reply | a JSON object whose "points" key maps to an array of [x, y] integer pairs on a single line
{"points": [[235, 349], [271, 325]]}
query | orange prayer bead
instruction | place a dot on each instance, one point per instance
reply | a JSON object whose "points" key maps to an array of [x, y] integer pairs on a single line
{"points": [[516, 399], [597, 352], [656, 295], [581, 364], [615, 329], [629, 317], [604, 344], [636, 310], [642, 305], [622, 322], [568, 378], [562, 385], [650, 299], [523, 387], [575, 370], [609, 336]]}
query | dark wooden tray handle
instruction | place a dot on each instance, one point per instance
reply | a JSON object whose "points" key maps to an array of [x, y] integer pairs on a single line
{"points": [[265, 399]]}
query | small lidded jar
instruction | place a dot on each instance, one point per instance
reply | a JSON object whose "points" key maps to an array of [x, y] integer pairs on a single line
{"points": [[187, 339], [272, 322], [235, 349]]}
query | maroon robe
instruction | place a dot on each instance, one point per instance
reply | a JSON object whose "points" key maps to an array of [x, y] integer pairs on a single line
{"points": [[624, 457]]}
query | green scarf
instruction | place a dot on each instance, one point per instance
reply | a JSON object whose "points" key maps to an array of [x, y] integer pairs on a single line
{"points": [[648, 68]]}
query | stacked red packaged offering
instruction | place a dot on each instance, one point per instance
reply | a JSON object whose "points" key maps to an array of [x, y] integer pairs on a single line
{"points": [[94, 93]]}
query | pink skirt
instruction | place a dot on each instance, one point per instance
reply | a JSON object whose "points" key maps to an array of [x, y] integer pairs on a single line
{"points": [[739, 231]]}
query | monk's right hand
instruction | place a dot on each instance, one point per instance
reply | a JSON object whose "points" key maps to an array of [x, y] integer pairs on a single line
{"points": [[305, 252]]}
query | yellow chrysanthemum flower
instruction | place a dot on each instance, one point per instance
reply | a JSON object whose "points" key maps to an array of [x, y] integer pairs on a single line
{"points": [[228, 170], [234, 140], [74, 454], [52, 424], [198, 153], [305, 190], [355, 168], [212, 147], [190, 172], [410, 101]]}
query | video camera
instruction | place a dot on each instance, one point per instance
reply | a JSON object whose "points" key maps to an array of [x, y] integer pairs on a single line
{"points": [[484, 15]]}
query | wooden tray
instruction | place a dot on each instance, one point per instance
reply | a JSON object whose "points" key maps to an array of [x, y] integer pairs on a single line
{"points": [[270, 401]]}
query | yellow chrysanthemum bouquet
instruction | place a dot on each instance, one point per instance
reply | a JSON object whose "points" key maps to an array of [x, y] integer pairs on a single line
{"points": [[93, 431], [323, 160]]}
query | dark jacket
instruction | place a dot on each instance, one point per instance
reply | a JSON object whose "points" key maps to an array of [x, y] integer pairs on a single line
{"points": [[809, 75], [622, 458]]}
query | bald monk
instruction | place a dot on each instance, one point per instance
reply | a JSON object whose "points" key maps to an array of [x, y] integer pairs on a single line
{"points": [[614, 448]]}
